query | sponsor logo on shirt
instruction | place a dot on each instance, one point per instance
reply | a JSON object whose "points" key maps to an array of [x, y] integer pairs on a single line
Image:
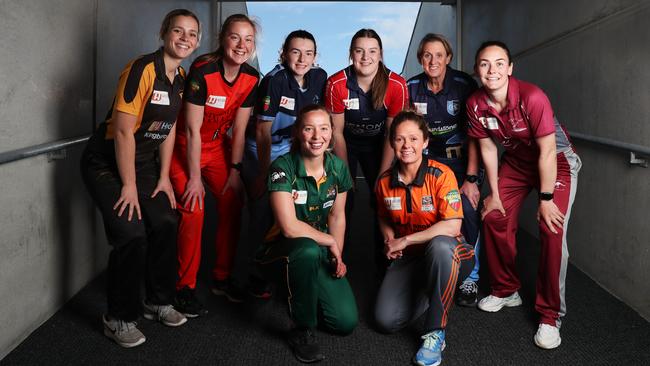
{"points": [[278, 177], [216, 101], [393, 203], [517, 124], [160, 97], [453, 107], [299, 197], [489, 122], [427, 203], [313, 208], [328, 204], [420, 108], [351, 104], [288, 103], [453, 199], [442, 129], [158, 130]]}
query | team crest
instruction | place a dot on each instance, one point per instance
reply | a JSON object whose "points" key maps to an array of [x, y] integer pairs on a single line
{"points": [[267, 103], [331, 192], [427, 204], [453, 107], [194, 86], [453, 199]]}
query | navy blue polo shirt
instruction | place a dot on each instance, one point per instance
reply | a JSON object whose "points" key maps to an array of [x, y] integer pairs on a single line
{"points": [[343, 95], [280, 99], [444, 113]]}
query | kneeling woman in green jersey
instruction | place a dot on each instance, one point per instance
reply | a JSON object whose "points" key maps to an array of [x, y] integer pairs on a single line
{"points": [[302, 251]]}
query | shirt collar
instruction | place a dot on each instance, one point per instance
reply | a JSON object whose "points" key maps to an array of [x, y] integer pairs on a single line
{"points": [[300, 164], [419, 178], [293, 84], [159, 64], [352, 82], [512, 96]]}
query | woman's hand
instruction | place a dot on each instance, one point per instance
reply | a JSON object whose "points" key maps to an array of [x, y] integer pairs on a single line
{"points": [[492, 203], [128, 199], [339, 268], [394, 247], [165, 185], [234, 182], [194, 194], [551, 215], [470, 190]]}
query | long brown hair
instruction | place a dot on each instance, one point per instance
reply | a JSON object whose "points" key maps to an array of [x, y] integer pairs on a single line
{"points": [[380, 81], [225, 28], [167, 22]]}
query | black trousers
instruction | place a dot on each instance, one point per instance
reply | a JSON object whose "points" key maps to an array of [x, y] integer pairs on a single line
{"points": [[142, 249]]}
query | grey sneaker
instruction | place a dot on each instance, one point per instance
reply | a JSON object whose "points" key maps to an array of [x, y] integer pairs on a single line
{"points": [[165, 314], [123, 333]]}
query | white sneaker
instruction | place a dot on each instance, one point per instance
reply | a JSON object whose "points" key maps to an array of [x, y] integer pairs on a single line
{"points": [[547, 336], [493, 304]]}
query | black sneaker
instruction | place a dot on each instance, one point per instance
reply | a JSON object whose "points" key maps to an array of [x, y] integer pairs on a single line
{"points": [[259, 288], [467, 294], [228, 289], [304, 345], [187, 303]]}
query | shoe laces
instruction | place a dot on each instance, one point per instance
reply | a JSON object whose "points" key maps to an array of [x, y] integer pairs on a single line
{"points": [[125, 327], [468, 287], [163, 310], [432, 340], [306, 337]]}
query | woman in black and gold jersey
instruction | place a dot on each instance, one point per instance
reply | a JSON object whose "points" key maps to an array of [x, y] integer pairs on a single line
{"points": [[125, 167]]}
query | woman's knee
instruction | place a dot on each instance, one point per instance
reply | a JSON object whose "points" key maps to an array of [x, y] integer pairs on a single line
{"points": [[346, 320], [387, 321], [305, 250], [441, 246]]}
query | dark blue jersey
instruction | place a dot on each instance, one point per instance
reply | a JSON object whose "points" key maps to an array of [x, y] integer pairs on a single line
{"points": [[280, 99], [444, 113]]}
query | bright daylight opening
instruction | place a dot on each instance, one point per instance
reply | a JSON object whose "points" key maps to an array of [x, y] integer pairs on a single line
{"points": [[333, 24]]}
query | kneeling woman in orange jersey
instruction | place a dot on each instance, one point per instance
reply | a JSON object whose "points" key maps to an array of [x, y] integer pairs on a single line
{"points": [[131, 187], [420, 216], [220, 94], [308, 187]]}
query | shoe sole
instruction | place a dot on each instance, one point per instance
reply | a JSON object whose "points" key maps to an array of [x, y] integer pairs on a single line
{"points": [[223, 293], [110, 335], [467, 304], [552, 346], [153, 317], [416, 362], [508, 304], [304, 360]]}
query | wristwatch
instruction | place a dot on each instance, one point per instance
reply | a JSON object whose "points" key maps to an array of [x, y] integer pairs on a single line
{"points": [[472, 178], [238, 166], [545, 196]]}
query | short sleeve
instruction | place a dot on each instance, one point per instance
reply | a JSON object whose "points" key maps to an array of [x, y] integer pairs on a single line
{"points": [[381, 206], [540, 113], [474, 127], [397, 97], [333, 96], [269, 100], [196, 89], [134, 88], [343, 175], [250, 98], [448, 198], [280, 176]]}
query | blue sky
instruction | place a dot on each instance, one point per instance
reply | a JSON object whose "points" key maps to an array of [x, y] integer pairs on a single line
{"points": [[333, 24]]}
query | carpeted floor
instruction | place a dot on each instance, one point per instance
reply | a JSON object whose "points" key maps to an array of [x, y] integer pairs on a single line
{"points": [[598, 329]]}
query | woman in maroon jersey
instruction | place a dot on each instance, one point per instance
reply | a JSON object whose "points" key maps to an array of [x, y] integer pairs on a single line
{"points": [[538, 155]]}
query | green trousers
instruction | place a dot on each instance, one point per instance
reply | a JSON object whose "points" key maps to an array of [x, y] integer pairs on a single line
{"points": [[314, 296]]}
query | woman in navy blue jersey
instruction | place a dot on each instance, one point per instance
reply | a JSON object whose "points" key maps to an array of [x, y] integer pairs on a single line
{"points": [[363, 98], [439, 94]]}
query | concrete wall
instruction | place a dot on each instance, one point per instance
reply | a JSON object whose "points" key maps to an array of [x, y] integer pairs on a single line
{"points": [[590, 57], [53, 241]]}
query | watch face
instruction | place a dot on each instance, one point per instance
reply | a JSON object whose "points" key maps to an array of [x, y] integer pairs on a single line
{"points": [[472, 178]]}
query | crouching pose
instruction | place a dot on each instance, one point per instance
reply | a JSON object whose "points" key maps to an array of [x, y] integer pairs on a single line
{"points": [[420, 216], [302, 251]]}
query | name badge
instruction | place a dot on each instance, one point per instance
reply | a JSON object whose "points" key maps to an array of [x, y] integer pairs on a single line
{"points": [[288, 103], [393, 203], [490, 123], [160, 97], [421, 108], [216, 101], [352, 104]]}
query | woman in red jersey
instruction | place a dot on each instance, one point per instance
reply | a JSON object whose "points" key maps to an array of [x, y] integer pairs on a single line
{"points": [[219, 95], [538, 155]]}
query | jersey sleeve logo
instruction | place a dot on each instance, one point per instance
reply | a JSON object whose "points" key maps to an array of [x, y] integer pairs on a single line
{"points": [[299, 197], [288, 103], [489, 122], [393, 203], [328, 204], [351, 104], [194, 86], [160, 97], [421, 108], [216, 101], [453, 107], [278, 176], [427, 204], [453, 199], [267, 103]]}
